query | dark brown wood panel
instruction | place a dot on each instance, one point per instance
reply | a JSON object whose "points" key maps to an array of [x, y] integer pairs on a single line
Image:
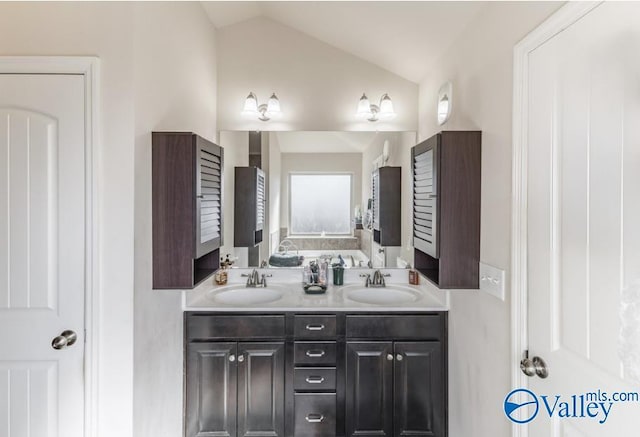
{"points": [[400, 327], [419, 390], [369, 397], [210, 390], [203, 326], [187, 209], [455, 262], [261, 389]]}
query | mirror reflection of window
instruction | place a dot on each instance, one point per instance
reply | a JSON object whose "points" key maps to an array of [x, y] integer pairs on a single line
{"points": [[320, 204]]}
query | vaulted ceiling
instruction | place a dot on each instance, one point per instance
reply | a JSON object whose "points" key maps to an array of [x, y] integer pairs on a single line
{"points": [[406, 38]]}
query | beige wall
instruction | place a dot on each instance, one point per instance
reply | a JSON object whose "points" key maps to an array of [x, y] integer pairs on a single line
{"points": [[480, 67], [318, 85], [174, 73], [103, 30]]}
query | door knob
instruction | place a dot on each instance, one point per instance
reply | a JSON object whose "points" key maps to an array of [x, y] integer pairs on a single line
{"points": [[541, 367], [232, 358], [390, 357], [240, 358], [65, 339], [399, 357], [534, 366]]}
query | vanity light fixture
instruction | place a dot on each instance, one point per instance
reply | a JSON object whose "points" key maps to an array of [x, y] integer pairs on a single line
{"points": [[265, 112], [372, 112]]}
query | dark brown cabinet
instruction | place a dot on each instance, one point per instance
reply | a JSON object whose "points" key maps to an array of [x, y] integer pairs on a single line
{"points": [[446, 208], [235, 389], [385, 192], [187, 178], [249, 212], [313, 375]]}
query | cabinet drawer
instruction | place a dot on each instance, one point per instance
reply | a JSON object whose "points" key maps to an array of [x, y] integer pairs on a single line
{"points": [[315, 327], [314, 378], [315, 414], [208, 326], [307, 352], [400, 327]]}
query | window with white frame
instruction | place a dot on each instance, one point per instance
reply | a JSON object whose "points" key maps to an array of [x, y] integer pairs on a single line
{"points": [[320, 204]]}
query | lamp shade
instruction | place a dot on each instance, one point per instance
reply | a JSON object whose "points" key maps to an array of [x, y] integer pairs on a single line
{"points": [[386, 108], [250, 104], [364, 107], [273, 106]]}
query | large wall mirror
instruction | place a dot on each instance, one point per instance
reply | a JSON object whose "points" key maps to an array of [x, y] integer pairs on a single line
{"points": [[317, 191]]}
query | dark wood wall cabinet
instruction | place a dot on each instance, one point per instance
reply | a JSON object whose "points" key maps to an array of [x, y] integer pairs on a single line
{"points": [[249, 208], [187, 178], [446, 208], [386, 192], [316, 375]]}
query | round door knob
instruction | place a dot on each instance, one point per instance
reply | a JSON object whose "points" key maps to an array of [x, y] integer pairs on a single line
{"points": [[240, 358], [65, 339], [527, 367], [399, 357], [232, 358], [540, 367], [390, 357]]}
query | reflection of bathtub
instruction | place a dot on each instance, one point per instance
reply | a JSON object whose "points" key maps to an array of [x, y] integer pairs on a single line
{"points": [[353, 258]]}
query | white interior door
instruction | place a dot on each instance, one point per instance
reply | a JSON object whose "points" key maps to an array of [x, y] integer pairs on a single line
{"points": [[583, 179], [42, 254]]}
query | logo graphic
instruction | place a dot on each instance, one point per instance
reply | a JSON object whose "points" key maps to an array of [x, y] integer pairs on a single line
{"points": [[522, 410]]}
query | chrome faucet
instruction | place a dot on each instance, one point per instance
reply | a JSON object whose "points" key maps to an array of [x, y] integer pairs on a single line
{"points": [[377, 281], [254, 279]]}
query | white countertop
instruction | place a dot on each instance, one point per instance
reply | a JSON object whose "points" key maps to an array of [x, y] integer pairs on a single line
{"points": [[288, 283]]}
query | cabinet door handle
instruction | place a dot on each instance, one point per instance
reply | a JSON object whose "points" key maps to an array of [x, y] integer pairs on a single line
{"points": [[399, 357], [232, 358], [390, 357], [315, 327], [314, 418], [315, 353], [315, 379]]}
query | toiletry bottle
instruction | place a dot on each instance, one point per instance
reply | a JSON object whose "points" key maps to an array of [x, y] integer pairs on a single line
{"points": [[323, 273]]}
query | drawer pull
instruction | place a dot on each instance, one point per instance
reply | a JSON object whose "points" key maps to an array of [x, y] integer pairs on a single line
{"points": [[315, 379], [315, 353], [314, 327], [314, 418]]}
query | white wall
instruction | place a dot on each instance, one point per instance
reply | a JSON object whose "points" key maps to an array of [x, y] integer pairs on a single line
{"points": [[319, 163], [318, 85], [275, 190], [175, 89], [103, 30], [479, 65], [236, 154]]}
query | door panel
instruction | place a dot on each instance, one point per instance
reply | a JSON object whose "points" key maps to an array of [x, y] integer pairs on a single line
{"points": [[211, 390], [261, 389], [419, 390], [583, 239], [369, 389], [42, 253]]}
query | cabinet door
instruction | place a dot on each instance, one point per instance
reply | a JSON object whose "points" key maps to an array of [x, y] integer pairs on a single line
{"points": [[425, 159], [209, 188], [211, 389], [419, 386], [369, 389], [261, 389]]}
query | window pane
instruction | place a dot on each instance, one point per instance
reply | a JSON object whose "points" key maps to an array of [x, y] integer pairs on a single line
{"points": [[320, 203]]}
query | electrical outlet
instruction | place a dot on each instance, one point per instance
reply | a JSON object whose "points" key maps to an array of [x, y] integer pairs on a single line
{"points": [[492, 280]]}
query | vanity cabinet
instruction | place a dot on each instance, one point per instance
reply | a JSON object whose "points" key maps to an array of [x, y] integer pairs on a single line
{"points": [[386, 207], [446, 208], [316, 375], [249, 212], [187, 178], [234, 388]]}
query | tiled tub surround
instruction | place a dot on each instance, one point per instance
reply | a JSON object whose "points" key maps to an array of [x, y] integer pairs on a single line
{"points": [[430, 298]]}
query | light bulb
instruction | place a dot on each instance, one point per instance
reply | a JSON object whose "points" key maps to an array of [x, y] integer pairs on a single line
{"points": [[364, 107], [250, 104]]}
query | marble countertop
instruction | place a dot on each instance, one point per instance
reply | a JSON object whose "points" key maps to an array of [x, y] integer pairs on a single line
{"points": [[287, 286]]}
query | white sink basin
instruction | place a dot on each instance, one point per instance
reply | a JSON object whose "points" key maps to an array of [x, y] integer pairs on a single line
{"points": [[390, 295], [241, 295]]}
